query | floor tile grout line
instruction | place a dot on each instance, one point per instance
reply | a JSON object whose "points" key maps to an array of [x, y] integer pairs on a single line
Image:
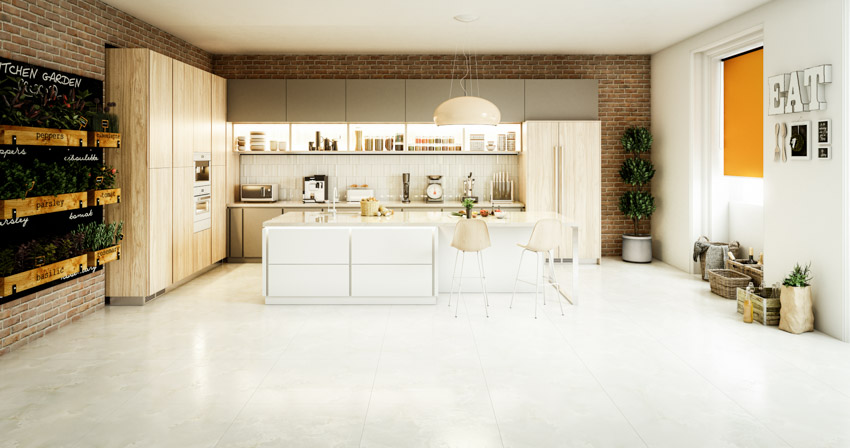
{"points": [[260, 383], [375, 376], [483, 374], [715, 386], [589, 371]]}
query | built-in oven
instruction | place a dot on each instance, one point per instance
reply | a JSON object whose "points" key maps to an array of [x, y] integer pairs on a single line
{"points": [[203, 208], [202, 168]]}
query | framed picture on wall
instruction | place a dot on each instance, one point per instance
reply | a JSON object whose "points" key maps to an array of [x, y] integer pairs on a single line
{"points": [[799, 140], [824, 152], [824, 130]]}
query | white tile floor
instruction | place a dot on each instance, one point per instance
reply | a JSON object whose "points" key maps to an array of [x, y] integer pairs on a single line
{"points": [[649, 358]]}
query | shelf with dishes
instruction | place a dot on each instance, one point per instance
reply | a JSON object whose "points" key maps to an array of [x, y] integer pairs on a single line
{"points": [[376, 138]]}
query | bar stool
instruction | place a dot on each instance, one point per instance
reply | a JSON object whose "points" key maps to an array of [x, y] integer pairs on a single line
{"points": [[471, 235], [544, 239]]}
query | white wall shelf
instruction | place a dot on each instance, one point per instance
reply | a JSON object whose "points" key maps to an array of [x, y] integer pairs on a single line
{"points": [[377, 153]]}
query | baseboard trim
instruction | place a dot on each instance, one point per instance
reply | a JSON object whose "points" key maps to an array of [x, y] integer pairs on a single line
{"points": [[140, 300]]}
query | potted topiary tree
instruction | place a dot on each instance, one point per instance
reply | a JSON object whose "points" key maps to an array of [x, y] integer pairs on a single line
{"points": [[795, 312], [637, 203]]}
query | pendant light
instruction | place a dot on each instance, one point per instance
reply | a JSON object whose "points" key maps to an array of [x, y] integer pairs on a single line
{"points": [[467, 109]]}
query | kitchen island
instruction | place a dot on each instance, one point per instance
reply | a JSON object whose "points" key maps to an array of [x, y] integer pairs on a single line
{"points": [[406, 258]]}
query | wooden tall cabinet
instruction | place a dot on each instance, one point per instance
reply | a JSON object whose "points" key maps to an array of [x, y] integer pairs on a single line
{"points": [[561, 169], [169, 110], [139, 81]]}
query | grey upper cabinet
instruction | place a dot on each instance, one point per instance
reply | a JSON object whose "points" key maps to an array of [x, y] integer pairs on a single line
{"points": [[507, 94], [315, 100], [424, 95], [561, 99], [374, 100], [256, 100]]}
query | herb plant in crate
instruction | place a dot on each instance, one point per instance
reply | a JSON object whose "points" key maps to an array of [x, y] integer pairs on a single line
{"points": [[41, 188], [101, 241], [101, 185], [796, 314], [41, 261], [637, 203]]}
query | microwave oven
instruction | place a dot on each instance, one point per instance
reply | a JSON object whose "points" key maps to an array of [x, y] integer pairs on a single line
{"points": [[258, 193]]}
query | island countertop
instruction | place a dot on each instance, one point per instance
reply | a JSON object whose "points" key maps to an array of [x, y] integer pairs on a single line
{"points": [[415, 218]]}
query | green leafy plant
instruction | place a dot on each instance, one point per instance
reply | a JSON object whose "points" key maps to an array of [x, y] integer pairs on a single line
{"points": [[799, 276], [54, 178], [468, 203], [42, 251], [97, 115], [637, 172], [39, 106], [98, 235], [16, 180], [100, 178], [7, 261]]}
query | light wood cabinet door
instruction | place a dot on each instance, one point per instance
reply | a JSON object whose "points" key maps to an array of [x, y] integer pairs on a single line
{"points": [[580, 192], [315, 100], [183, 109], [160, 113], [183, 223], [201, 249], [219, 214], [537, 166], [202, 110], [219, 121], [159, 236], [374, 100]]}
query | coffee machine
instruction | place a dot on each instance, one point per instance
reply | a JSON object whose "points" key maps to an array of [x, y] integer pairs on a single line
{"points": [[405, 188], [315, 188]]}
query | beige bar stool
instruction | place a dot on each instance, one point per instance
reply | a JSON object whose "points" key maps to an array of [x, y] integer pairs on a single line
{"points": [[544, 239], [471, 235]]}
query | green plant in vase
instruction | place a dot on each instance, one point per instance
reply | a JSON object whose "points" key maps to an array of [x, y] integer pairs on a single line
{"points": [[467, 204], [796, 311], [637, 203]]}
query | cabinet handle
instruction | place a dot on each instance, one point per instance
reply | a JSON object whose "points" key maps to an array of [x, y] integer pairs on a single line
{"points": [[555, 180]]}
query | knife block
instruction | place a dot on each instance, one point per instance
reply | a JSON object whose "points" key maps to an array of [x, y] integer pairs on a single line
{"points": [[502, 192]]}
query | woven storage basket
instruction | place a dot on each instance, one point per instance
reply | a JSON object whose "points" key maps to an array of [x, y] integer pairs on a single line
{"points": [[733, 247], [753, 270], [369, 208], [725, 282]]}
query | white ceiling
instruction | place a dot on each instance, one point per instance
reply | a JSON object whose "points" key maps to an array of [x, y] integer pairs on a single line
{"points": [[426, 26]]}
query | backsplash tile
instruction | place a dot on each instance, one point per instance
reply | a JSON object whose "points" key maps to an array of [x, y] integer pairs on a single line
{"points": [[381, 172]]}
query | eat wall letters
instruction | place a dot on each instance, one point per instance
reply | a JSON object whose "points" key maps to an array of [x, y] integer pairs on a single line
{"points": [[788, 96]]}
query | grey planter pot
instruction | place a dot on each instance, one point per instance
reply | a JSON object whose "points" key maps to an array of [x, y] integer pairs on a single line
{"points": [[637, 248]]}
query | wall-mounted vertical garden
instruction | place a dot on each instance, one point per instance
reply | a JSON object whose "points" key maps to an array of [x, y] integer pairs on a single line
{"points": [[53, 131]]}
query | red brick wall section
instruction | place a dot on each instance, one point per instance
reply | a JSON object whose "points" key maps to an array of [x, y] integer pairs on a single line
{"points": [[31, 317], [70, 35], [623, 95]]}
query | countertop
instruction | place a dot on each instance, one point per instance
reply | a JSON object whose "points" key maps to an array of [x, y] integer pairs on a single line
{"points": [[356, 205], [418, 218]]}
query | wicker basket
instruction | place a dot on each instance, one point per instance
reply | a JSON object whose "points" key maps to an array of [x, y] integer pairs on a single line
{"points": [[725, 282], [369, 208], [753, 270], [733, 247]]}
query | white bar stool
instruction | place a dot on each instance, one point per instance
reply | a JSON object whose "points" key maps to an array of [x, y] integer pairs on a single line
{"points": [[544, 239], [471, 235]]}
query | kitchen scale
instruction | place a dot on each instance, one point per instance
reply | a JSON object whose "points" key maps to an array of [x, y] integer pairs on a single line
{"points": [[434, 189]]}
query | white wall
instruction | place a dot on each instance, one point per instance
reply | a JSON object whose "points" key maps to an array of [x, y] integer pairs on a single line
{"points": [[803, 201]]}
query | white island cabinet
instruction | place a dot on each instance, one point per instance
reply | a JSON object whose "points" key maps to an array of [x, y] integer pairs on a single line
{"points": [[343, 258]]}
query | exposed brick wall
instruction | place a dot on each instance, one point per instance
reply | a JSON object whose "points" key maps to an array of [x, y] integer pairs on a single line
{"points": [[31, 317], [70, 35], [624, 95]]}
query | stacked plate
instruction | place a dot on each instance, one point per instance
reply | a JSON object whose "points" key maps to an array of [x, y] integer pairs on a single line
{"points": [[240, 143], [258, 141]]}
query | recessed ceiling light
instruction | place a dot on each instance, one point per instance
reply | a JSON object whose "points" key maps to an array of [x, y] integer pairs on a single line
{"points": [[466, 18]]}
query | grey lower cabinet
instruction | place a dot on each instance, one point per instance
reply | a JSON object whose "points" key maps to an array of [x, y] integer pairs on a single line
{"points": [[246, 230]]}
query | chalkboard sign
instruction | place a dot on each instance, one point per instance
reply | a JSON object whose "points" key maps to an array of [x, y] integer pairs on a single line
{"points": [[68, 97]]}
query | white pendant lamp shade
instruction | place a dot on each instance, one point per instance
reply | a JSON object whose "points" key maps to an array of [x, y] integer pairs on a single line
{"points": [[467, 110]]}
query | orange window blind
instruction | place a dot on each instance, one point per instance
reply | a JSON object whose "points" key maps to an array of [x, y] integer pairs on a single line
{"points": [[743, 115]]}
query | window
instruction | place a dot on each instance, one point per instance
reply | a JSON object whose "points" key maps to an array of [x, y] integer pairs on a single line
{"points": [[743, 114]]}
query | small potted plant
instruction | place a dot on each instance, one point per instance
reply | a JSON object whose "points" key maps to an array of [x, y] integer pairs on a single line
{"points": [[795, 314], [637, 203], [468, 203]]}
